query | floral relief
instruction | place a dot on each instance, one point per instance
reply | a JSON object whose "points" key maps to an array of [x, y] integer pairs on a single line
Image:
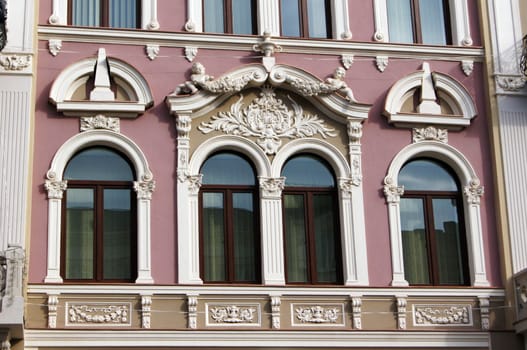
{"points": [[233, 314], [317, 314], [269, 119], [98, 314]]}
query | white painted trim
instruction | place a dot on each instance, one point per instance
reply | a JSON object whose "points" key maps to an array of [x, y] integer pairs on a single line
{"points": [[235, 338], [60, 160], [268, 17], [77, 74], [59, 15], [466, 174], [459, 18], [447, 88]]}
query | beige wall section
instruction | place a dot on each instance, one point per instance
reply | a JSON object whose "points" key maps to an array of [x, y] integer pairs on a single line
{"points": [[523, 16]]}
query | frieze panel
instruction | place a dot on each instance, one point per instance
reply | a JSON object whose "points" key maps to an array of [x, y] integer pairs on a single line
{"points": [[269, 119], [317, 315], [233, 315], [100, 122], [98, 314], [442, 315]]}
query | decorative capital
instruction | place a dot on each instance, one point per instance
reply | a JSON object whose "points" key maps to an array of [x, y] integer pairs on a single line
{"points": [[391, 192], [354, 131], [194, 183], [474, 191], [346, 185], [183, 125], [430, 133], [272, 187], [100, 122], [145, 188], [55, 188]]}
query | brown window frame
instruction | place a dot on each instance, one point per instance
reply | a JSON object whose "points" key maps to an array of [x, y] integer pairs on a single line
{"points": [[228, 27], [433, 263], [104, 15], [228, 212], [308, 193], [99, 187], [304, 19], [416, 22]]}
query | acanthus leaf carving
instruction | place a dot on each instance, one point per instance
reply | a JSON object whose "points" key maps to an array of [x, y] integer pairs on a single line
{"points": [[426, 315], [317, 314], [54, 46], [272, 187], [55, 188], [268, 119], [190, 53], [79, 314], [382, 63], [233, 314], [430, 133], [100, 122], [152, 51], [145, 188], [392, 192]]}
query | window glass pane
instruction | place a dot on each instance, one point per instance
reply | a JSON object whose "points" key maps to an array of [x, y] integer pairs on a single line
{"points": [[307, 171], [426, 175], [79, 233], [290, 17], [98, 164], [213, 16], [213, 237], [400, 21], [432, 14], [242, 16], [416, 268], [295, 238], [316, 14], [245, 238], [448, 241], [326, 239], [227, 169], [117, 234], [86, 12], [123, 13]]}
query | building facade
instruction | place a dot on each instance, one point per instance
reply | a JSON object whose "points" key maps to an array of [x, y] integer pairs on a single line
{"points": [[263, 174]]}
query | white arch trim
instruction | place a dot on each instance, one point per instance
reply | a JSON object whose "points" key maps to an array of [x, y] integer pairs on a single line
{"points": [[55, 175], [459, 18], [468, 178], [78, 73], [148, 14], [449, 89]]}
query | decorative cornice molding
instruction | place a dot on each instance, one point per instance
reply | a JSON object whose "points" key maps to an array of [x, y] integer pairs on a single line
{"points": [[429, 133], [268, 119], [99, 121]]}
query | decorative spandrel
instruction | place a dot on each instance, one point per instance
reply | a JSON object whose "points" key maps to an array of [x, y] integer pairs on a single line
{"points": [[268, 119]]}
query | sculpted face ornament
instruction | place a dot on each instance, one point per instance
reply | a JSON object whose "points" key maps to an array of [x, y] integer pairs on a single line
{"points": [[3, 20]]}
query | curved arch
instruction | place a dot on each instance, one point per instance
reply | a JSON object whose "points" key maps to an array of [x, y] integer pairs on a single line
{"points": [[447, 88], [144, 186], [321, 148], [99, 138], [231, 143], [471, 206]]}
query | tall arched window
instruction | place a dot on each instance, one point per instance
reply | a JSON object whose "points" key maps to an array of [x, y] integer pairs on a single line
{"points": [[230, 249], [99, 218], [433, 234], [311, 227]]}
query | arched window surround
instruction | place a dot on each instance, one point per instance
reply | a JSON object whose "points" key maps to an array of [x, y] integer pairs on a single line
{"points": [[271, 183], [56, 185], [472, 192]]}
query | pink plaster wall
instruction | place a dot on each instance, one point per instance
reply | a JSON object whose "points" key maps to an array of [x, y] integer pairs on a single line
{"points": [[154, 132]]}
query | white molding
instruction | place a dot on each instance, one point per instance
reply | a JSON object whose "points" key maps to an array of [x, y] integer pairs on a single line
{"points": [[468, 178], [235, 338], [446, 87], [75, 75], [143, 174], [59, 15], [459, 17], [268, 18], [245, 43]]}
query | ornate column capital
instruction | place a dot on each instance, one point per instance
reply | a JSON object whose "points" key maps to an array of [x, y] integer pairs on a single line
{"points": [[145, 187], [55, 188], [271, 187], [474, 191], [354, 131], [393, 193]]}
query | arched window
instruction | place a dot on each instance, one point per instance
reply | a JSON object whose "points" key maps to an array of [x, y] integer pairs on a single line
{"points": [[105, 13], [311, 227], [99, 227], [230, 249], [432, 229]]}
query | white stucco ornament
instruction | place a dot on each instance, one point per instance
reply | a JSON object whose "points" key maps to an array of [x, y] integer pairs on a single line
{"points": [[268, 119]]}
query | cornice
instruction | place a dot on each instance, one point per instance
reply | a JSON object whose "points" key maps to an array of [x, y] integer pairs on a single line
{"points": [[246, 43]]}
